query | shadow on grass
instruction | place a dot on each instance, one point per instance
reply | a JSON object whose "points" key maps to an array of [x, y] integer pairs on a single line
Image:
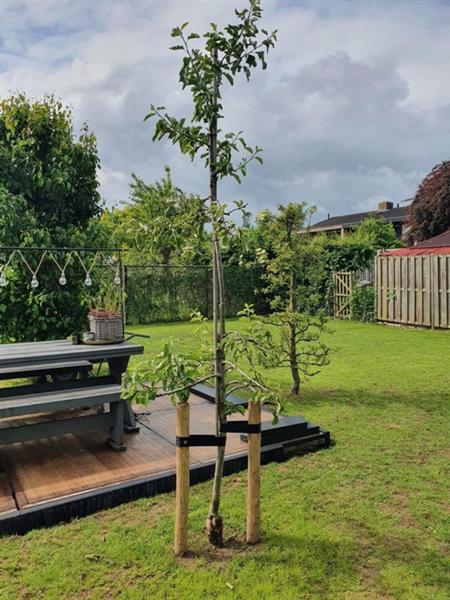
{"points": [[308, 557], [309, 561], [429, 402]]}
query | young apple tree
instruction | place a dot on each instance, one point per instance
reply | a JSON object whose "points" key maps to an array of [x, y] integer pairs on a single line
{"points": [[210, 62], [290, 271]]}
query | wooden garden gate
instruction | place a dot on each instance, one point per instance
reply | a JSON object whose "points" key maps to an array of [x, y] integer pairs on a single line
{"points": [[343, 287]]}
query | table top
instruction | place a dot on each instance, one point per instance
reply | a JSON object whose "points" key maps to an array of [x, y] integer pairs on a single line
{"points": [[62, 350]]}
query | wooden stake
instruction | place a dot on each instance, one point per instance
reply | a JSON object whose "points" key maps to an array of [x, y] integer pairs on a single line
{"points": [[254, 476], [182, 486]]}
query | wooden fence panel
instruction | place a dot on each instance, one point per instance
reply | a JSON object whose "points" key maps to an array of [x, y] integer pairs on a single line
{"points": [[398, 288], [441, 303], [413, 290]]}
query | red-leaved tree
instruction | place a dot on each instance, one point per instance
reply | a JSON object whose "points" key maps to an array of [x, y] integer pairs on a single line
{"points": [[429, 214]]}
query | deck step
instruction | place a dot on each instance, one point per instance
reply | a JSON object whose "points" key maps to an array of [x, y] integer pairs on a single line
{"points": [[50, 401], [208, 393], [45, 369], [287, 428]]}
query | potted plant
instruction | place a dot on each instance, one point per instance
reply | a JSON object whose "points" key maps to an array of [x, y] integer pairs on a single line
{"points": [[106, 319]]}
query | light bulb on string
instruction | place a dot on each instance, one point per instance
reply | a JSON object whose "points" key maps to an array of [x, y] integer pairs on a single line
{"points": [[34, 282], [62, 280], [88, 280], [3, 281]]}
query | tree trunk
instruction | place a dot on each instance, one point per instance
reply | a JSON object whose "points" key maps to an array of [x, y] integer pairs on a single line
{"points": [[293, 362], [214, 521]]}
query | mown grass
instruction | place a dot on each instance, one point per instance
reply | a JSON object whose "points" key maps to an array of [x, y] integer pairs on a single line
{"points": [[367, 518]]}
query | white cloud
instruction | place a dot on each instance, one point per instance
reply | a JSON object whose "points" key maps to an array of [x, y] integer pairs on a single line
{"points": [[354, 106]]}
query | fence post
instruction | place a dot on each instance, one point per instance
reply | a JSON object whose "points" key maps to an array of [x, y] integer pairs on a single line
{"points": [[254, 476], [123, 291], [182, 481], [206, 275]]}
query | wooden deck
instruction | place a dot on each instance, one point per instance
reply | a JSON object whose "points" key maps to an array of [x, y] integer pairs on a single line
{"points": [[46, 481]]}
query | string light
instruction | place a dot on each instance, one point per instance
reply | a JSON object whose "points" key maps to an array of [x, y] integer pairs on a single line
{"points": [[3, 280], [87, 266], [117, 279]]}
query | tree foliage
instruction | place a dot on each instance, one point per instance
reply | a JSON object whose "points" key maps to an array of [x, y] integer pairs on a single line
{"points": [[48, 197], [293, 262], [429, 213], [159, 224], [376, 234], [42, 162]]}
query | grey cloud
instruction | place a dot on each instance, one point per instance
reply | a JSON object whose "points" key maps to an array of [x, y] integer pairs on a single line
{"points": [[349, 110]]}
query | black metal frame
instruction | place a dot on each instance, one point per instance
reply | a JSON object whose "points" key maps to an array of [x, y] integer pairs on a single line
{"points": [[200, 440], [240, 427], [119, 251]]}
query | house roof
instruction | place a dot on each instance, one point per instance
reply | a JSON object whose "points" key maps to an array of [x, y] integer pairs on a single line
{"points": [[440, 244], [438, 241], [392, 215], [441, 250]]}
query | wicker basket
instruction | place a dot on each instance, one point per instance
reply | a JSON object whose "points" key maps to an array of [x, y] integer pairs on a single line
{"points": [[106, 328]]}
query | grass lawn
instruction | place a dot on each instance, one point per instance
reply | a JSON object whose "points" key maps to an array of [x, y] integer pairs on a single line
{"points": [[367, 518]]}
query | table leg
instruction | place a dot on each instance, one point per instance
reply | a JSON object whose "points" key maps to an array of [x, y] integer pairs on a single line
{"points": [[115, 439], [118, 366]]}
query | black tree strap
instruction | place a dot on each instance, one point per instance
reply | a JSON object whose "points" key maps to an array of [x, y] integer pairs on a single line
{"points": [[200, 440], [240, 427]]}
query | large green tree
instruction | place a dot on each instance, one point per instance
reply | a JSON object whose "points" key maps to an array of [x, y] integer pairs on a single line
{"points": [[41, 160], [48, 197], [429, 214]]}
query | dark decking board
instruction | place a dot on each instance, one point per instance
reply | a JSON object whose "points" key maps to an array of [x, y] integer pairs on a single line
{"points": [[57, 479]]}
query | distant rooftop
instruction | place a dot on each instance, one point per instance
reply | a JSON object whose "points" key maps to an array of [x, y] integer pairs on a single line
{"points": [[386, 211]]}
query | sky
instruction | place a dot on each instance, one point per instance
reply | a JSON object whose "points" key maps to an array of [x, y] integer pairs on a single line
{"points": [[353, 108]]}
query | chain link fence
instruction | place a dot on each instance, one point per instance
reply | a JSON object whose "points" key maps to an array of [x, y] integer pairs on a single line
{"points": [[170, 293]]}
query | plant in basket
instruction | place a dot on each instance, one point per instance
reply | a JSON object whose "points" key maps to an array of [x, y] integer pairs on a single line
{"points": [[105, 319]]}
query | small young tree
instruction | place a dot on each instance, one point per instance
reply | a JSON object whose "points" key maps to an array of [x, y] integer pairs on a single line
{"points": [[429, 214], [291, 274], [206, 68]]}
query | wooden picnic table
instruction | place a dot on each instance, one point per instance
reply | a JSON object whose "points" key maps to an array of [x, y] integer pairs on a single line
{"points": [[20, 358]]}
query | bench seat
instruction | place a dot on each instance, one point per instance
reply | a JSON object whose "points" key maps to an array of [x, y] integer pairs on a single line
{"points": [[37, 370], [18, 404]]}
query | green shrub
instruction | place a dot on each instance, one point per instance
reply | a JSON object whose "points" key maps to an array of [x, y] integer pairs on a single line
{"points": [[363, 303]]}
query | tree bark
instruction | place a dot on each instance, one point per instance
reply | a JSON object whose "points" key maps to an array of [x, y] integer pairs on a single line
{"points": [[293, 362], [214, 521]]}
